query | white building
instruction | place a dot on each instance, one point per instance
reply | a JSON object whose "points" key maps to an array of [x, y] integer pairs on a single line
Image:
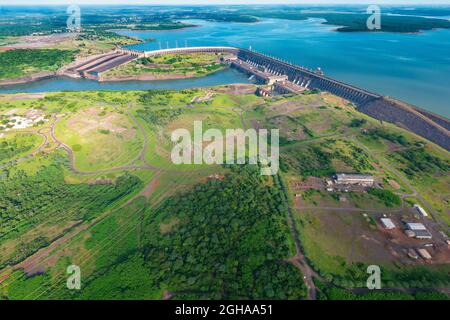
{"points": [[361, 179], [421, 210], [420, 231], [387, 223], [424, 254]]}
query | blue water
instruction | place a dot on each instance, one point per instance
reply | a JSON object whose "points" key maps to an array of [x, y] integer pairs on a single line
{"points": [[411, 67], [227, 76]]}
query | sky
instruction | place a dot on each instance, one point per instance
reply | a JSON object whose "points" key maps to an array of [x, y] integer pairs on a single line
{"points": [[191, 2]]}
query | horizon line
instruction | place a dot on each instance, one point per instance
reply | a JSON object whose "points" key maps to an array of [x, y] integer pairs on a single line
{"points": [[223, 4]]}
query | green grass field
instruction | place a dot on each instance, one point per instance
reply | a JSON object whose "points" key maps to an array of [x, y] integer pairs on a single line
{"points": [[100, 138], [186, 65]]}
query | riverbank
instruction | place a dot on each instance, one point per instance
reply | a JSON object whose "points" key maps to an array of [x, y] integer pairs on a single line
{"points": [[63, 83], [28, 78]]}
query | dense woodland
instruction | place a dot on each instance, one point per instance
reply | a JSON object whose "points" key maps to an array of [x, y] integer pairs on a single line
{"points": [[337, 293], [418, 162], [9, 148], [159, 117], [31, 199], [316, 160], [224, 239], [17, 63]]}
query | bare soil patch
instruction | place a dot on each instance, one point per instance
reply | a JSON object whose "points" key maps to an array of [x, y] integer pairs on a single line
{"points": [[35, 42]]}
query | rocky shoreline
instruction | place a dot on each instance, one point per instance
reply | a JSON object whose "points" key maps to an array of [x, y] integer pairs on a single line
{"points": [[144, 77], [141, 77], [28, 78]]}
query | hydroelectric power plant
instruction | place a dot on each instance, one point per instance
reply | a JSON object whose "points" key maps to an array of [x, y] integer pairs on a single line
{"points": [[282, 77]]}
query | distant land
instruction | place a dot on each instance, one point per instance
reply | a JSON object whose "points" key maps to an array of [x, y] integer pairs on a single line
{"points": [[140, 18]]}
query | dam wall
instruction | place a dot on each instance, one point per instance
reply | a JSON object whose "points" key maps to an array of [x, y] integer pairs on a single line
{"points": [[297, 75], [440, 120], [409, 118], [307, 78], [188, 50], [426, 124]]}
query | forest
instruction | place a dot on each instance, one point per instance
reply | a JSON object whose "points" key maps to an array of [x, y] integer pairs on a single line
{"points": [[224, 239], [418, 161], [316, 160], [32, 199], [17, 63]]}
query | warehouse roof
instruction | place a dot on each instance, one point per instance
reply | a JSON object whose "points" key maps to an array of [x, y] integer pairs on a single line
{"points": [[415, 226], [388, 224], [353, 176]]}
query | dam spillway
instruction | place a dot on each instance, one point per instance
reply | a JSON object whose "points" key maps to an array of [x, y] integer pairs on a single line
{"points": [[297, 75]]}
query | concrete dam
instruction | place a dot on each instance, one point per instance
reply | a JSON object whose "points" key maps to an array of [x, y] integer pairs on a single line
{"points": [[284, 77]]}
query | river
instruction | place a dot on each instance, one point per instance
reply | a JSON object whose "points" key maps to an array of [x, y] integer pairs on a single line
{"points": [[227, 76]]}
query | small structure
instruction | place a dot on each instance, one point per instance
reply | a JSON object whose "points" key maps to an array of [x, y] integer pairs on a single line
{"points": [[420, 231], [387, 223], [421, 210], [424, 254], [319, 71], [276, 78], [263, 92], [410, 234], [360, 179], [412, 254]]}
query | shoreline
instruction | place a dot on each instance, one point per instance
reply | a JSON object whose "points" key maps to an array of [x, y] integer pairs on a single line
{"points": [[154, 30], [144, 77]]}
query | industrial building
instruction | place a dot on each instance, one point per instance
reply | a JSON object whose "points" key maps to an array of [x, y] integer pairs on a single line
{"points": [[421, 210], [360, 179], [424, 254], [387, 223], [418, 230]]}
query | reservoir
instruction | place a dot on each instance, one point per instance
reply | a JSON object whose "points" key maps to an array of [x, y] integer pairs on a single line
{"points": [[411, 67]]}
